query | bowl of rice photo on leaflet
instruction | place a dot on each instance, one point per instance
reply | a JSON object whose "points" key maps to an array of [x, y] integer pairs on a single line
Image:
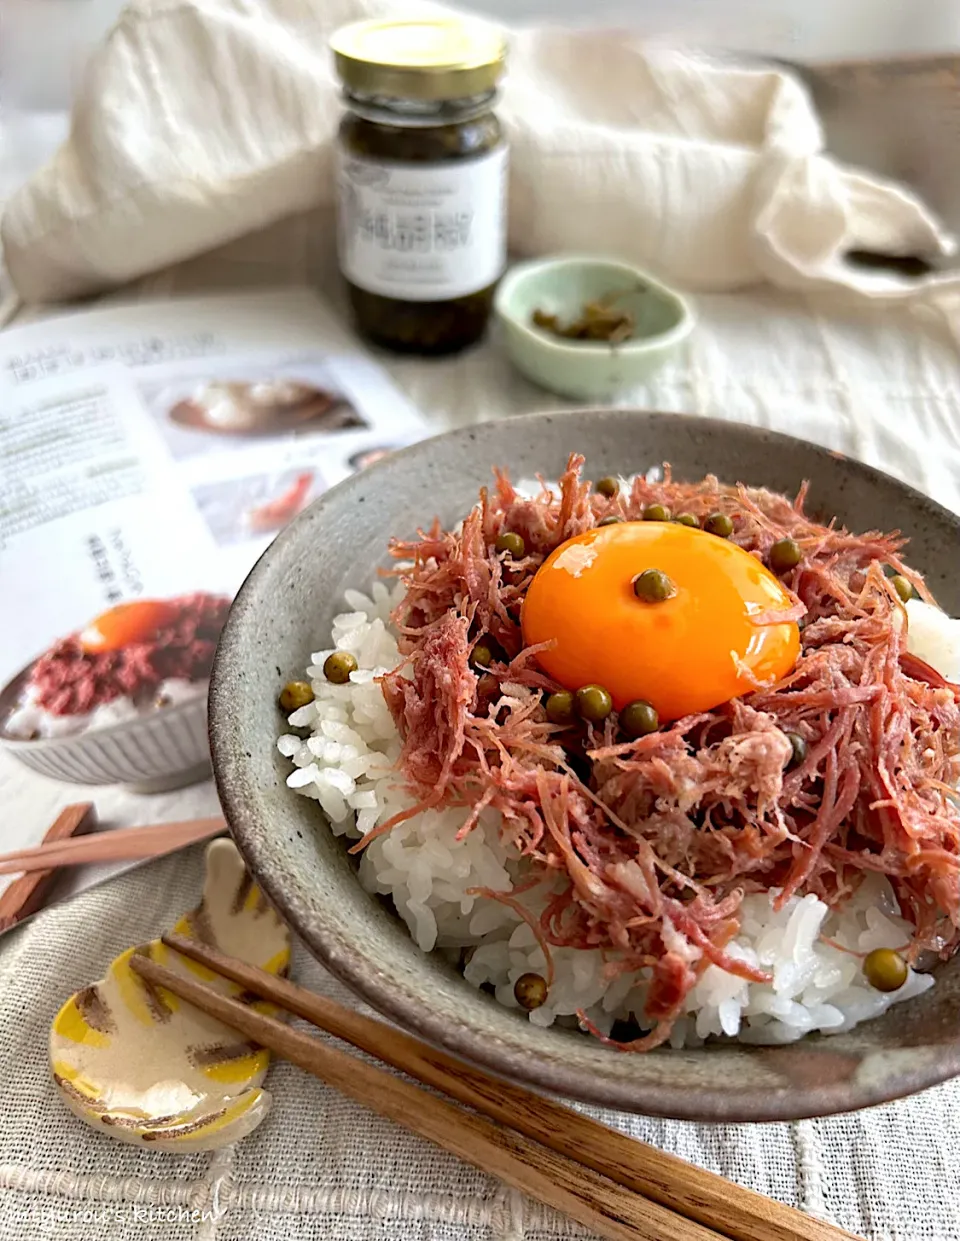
{"points": [[122, 699], [618, 754]]}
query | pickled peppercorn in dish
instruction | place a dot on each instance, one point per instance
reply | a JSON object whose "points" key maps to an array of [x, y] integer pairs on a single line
{"points": [[599, 320], [136, 657], [666, 761]]}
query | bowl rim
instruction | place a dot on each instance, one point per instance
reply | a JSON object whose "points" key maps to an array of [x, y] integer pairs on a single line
{"points": [[349, 964], [521, 272]]}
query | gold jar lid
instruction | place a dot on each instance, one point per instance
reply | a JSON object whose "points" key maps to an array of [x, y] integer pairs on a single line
{"points": [[427, 59]]}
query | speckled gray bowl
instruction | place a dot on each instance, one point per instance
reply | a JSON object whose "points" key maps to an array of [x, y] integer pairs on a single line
{"points": [[283, 613]]}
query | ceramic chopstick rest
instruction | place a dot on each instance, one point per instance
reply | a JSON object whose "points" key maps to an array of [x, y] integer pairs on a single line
{"points": [[137, 1063]]}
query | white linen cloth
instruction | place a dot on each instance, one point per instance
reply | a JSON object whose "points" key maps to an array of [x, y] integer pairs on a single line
{"points": [[877, 385], [201, 120]]}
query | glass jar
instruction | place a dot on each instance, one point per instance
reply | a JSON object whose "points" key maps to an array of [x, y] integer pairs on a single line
{"points": [[421, 180]]}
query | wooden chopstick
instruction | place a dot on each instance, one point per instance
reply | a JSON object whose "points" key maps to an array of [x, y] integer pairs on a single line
{"points": [[26, 895], [121, 844], [555, 1179], [703, 1197]]}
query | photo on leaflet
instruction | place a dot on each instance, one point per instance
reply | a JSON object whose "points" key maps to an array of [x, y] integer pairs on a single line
{"points": [[137, 656], [202, 411], [367, 456], [238, 509]]}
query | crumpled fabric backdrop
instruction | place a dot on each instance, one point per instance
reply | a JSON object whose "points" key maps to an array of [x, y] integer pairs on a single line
{"points": [[201, 120], [876, 384]]}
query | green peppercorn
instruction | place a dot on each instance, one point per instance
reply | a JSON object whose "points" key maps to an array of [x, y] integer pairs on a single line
{"points": [[530, 991], [904, 588], [687, 519], [656, 512], [512, 543], [885, 969], [593, 703], [295, 694], [639, 718], [561, 707], [719, 524], [798, 747], [482, 655], [612, 520], [608, 487], [338, 666], [653, 586], [784, 555]]}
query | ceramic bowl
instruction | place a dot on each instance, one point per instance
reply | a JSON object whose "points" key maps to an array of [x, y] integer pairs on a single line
{"points": [[283, 613], [588, 370], [157, 751]]}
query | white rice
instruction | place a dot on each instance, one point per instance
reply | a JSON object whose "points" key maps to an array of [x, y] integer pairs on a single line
{"points": [[30, 720], [346, 763]]}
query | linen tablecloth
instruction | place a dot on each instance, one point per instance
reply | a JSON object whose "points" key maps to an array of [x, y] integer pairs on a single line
{"points": [[882, 386]]}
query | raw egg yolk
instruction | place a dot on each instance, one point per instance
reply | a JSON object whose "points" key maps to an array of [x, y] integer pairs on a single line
{"points": [[127, 623], [687, 653]]}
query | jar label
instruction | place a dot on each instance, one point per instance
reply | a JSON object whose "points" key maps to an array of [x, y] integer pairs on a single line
{"points": [[422, 232]]}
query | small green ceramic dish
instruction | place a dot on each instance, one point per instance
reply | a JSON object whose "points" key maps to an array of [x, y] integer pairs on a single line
{"points": [[588, 369]]}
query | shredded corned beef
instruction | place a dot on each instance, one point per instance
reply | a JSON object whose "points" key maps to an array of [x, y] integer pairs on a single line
{"points": [[68, 680], [649, 845]]}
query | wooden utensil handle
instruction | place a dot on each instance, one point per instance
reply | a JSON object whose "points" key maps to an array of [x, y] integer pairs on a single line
{"points": [[715, 1202], [555, 1180], [25, 896], [118, 845]]}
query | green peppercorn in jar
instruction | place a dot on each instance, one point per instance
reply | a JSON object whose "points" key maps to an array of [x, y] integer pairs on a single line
{"points": [[422, 180]]}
